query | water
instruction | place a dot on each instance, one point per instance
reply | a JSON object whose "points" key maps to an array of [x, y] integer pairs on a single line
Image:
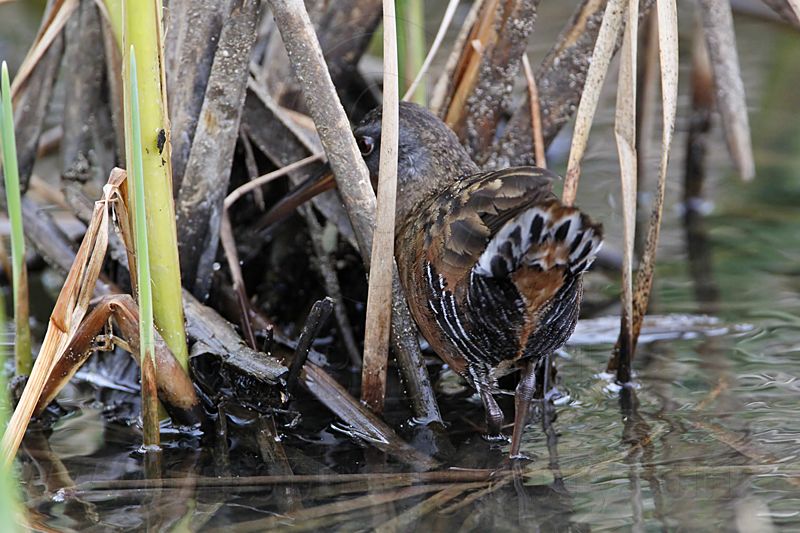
{"points": [[708, 439]]}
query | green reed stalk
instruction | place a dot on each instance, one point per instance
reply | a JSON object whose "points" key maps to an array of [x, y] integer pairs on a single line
{"points": [[114, 10], [22, 350], [141, 27], [150, 417], [9, 490], [411, 44]]}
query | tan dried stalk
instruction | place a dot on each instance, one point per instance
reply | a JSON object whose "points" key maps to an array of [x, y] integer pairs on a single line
{"points": [[266, 178], [731, 103], [795, 5], [625, 133], [231, 255], [667, 14], [441, 91], [601, 57], [536, 114], [379, 312], [352, 179]]}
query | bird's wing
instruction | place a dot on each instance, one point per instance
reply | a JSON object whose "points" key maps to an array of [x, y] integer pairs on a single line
{"points": [[469, 214], [501, 248]]}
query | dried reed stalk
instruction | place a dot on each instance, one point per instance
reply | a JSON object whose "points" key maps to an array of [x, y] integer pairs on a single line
{"points": [[731, 102], [536, 114], [232, 256], [260, 181], [601, 57], [666, 11], [352, 177], [625, 133], [379, 313]]}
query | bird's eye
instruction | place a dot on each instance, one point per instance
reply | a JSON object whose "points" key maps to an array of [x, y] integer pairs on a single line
{"points": [[366, 144]]}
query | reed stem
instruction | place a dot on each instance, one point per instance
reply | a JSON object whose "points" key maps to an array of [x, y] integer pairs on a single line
{"points": [[379, 312], [142, 29], [22, 341], [150, 422], [9, 496], [411, 45]]}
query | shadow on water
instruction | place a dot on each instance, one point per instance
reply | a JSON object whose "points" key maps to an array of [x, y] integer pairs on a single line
{"points": [[707, 439]]}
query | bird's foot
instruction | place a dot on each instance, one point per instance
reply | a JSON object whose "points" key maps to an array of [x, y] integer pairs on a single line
{"points": [[516, 464], [519, 457], [497, 438]]}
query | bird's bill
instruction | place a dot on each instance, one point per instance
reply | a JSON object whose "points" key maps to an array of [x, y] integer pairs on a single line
{"points": [[316, 184]]}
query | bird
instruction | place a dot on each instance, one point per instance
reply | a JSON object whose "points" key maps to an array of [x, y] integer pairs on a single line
{"points": [[491, 262]]}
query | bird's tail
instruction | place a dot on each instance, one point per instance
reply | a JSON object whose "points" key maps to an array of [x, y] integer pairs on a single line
{"points": [[547, 235]]}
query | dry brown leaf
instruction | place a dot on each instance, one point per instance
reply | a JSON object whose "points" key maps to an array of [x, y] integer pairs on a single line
{"points": [[47, 33], [69, 310]]}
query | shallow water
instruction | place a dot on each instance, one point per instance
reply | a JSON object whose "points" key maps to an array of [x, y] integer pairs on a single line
{"points": [[708, 439]]}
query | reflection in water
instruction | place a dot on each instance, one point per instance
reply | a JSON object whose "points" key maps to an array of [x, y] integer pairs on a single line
{"points": [[700, 258], [697, 140], [636, 434]]}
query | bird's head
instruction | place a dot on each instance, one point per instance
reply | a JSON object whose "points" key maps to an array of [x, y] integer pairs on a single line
{"points": [[429, 159], [429, 156]]}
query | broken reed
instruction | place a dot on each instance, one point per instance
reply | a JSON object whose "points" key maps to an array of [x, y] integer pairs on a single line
{"points": [[19, 274], [145, 296]]}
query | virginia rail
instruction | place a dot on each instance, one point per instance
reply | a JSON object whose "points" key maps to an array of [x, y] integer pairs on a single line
{"points": [[491, 262]]}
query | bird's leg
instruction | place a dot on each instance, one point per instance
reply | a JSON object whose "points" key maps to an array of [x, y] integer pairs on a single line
{"points": [[522, 404], [494, 416]]}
